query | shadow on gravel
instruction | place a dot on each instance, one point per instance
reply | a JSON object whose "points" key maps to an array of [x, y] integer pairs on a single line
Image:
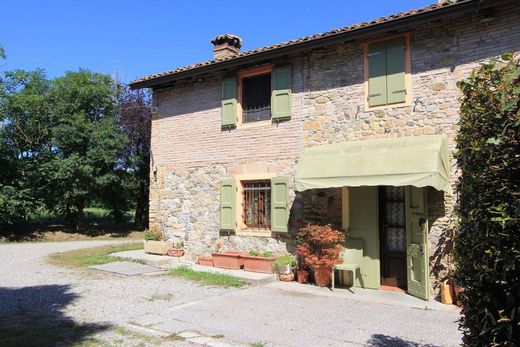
{"points": [[33, 316], [380, 340]]}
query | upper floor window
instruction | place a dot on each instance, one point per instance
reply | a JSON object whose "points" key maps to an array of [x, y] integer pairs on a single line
{"points": [[387, 71], [258, 94], [256, 98]]}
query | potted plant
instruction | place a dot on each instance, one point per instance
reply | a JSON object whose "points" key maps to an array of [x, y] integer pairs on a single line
{"points": [[227, 259], [302, 276], [154, 242], [259, 262], [285, 265], [177, 250], [320, 247]]}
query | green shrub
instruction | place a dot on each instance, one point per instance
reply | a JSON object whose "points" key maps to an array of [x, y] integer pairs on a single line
{"points": [[487, 247], [286, 260], [151, 235]]}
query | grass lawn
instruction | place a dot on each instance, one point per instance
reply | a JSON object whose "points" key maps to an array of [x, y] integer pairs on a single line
{"points": [[207, 278], [92, 256]]}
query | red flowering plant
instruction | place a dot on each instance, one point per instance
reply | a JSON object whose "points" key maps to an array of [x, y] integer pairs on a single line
{"points": [[320, 245]]}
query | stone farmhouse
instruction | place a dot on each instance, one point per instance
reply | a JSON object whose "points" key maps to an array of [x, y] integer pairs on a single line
{"points": [[354, 127]]}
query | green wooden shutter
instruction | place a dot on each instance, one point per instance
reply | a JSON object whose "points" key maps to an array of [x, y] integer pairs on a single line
{"points": [[228, 195], [377, 74], [281, 92], [279, 204], [395, 71], [229, 102]]}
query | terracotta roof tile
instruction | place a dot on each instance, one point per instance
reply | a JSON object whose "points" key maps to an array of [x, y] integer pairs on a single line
{"points": [[298, 41]]}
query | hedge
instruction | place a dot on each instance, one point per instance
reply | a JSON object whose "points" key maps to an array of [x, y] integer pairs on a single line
{"points": [[487, 249]]}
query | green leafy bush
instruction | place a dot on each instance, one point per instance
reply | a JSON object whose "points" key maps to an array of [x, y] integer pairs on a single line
{"points": [[152, 235], [487, 247], [286, 260]]}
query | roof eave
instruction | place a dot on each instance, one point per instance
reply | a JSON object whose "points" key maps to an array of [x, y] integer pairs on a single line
{"points": [[392, 24]]}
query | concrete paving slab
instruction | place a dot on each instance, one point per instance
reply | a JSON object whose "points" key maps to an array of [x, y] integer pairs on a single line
{"points": [[150, 259], [363, 294], [126, 268]]}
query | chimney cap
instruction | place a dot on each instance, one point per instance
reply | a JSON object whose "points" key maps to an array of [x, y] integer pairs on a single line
{"points": [[230, 39]]}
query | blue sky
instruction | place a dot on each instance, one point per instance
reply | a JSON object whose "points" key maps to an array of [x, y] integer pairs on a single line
{"points": [[135, 38]]}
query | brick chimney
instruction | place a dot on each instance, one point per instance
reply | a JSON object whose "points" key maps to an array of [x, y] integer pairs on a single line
{"points": [[226, 46]]}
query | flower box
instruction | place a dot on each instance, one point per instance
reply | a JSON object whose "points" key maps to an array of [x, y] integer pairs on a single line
{"points": [[206, 261], [176, 252], [156, 247], [228, 260], [259, 264]]}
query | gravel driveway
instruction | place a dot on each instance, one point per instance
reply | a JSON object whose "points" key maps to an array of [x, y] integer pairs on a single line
{"points": [[101, 305]]}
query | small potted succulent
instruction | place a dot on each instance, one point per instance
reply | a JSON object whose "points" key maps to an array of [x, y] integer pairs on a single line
{"points": [[320, 247], [154, 242], [285, 265], [259, 262], [177, 250]]}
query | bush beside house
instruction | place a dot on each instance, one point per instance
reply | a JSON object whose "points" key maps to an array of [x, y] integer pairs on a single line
{"points": [[488, 241]]}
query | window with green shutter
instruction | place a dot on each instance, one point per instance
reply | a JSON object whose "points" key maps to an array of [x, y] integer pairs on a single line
{"points": [[228, 197], [281, 92], [280, 204], [386, 63], [229, 102]]}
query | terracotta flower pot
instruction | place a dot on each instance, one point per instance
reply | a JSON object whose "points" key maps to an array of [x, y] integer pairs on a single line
{"points": [[227, 260], [303, 276], [322, 275], [458, 291], [259, 264], [447, 293], [240, 254], [206, 261], [287, 277], [176, 252]]}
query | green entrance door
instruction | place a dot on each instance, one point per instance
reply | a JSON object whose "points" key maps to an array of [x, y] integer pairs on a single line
{"points": [[417, 243]]}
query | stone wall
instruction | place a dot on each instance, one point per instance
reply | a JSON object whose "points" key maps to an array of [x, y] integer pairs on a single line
{"points": [[442, 53]]}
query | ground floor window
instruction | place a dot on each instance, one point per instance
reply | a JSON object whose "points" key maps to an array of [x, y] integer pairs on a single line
{"points": [[257, 204]]}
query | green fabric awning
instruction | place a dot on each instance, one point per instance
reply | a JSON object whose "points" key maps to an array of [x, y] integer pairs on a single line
{"points": [[418, 161]]}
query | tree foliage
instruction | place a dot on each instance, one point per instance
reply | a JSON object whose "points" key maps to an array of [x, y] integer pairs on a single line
{"points": [[69, 143], [135, 119], [488, 240]]}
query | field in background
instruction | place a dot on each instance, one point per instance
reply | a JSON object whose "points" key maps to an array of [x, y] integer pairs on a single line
{"points": [[99, 225]]}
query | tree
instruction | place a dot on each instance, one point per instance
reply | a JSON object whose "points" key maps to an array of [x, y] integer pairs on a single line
{"points": [[87, 146], [135, 120], [25, 142], [2, 52], [487, 248]]}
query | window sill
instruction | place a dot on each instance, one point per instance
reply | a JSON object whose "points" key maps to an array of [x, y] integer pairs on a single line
{"points": [[262, 123], [388, 106], [254, 232]]}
